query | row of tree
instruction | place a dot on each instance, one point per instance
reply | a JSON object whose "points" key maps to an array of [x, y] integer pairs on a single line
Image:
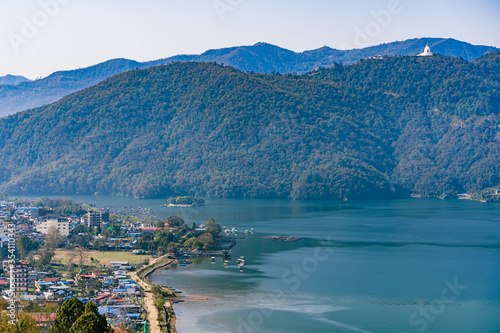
{"points": [[72, 316]]}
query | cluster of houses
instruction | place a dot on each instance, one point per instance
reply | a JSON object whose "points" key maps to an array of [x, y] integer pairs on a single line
{"points": [[36, 223], [117, 296]]}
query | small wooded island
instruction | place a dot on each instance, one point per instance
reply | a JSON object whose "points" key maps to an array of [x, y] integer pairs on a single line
{"points": [[185, 201]]}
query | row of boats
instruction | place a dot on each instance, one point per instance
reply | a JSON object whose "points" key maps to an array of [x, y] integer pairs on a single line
{"points": [[234, 231], [240, 262]]}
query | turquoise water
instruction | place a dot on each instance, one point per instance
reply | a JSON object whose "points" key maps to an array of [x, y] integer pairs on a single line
{"points": [[391, 266]]}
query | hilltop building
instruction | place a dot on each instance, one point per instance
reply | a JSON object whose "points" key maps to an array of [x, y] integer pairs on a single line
{"points": [[427, 52]]}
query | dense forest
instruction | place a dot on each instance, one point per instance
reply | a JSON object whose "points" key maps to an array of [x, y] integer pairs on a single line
{"points": [[16, 95], [380, 128]]}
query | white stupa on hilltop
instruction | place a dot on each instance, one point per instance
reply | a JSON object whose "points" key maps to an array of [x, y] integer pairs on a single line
{"points": [[427, 52]]}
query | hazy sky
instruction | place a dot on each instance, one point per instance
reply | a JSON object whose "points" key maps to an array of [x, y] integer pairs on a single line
{"points": [[38, 37]]}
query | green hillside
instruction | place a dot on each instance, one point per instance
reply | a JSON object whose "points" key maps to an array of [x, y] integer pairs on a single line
{"points": [[376, 129], [259, 58]]}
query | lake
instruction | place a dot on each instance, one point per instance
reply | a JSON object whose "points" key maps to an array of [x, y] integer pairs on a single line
{"points": [[412, 265]]}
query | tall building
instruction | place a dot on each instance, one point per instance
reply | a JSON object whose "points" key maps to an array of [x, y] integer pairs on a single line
{"points": [[96, 219], [18, 274]]}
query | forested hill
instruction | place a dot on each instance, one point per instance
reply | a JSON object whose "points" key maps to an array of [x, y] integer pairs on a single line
{"points": [[377, 129], [18, 96]]}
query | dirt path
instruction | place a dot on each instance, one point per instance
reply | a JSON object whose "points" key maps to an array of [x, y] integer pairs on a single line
{"points": [[149, 302]]}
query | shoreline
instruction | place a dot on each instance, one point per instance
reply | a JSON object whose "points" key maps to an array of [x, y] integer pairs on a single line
{"points": [[142, 278]]}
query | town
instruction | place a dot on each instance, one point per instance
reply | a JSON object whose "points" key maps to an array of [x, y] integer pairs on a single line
{"points": [[57, 250]]}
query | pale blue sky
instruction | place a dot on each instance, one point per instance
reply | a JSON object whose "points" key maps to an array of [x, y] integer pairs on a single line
{"points": [[80, 33]]}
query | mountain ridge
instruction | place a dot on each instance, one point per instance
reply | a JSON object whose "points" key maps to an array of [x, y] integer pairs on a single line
{"points": [[12, 80], [260, 58]]}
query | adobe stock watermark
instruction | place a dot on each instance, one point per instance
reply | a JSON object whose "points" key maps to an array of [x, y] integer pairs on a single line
{"points": [[292, 278], [428, 314], [31, 27], [380, 19], [11, 293], [222, 7]]}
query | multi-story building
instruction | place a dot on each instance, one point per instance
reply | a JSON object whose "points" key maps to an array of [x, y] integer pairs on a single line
{"points": [[93, 219], [32, 279], [7, 228], [17, 273], [96, 220], [60, 224]]}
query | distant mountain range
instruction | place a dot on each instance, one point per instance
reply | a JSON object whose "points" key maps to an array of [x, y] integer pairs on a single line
{"points": [[381, 128], [12, 80], [18, 94]]}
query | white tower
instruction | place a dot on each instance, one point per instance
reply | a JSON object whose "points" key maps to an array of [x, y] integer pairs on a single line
{"points": [[427, 52]]}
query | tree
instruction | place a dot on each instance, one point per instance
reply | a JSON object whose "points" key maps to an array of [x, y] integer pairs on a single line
{"points": [[175, 221], [172, 247], [190, 242], [53, 236], [213, 228], [32, 307], [23, 244], [67, 315], [46, 256], [3, 304], [90, 321], [95, 244], [80, 252], [25, 323], [159, 302], [207, 240]]}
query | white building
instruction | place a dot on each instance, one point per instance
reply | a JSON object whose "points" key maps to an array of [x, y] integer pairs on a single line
{"points": [[61, 225], [5, 231], [427, 52], [118, 264]]}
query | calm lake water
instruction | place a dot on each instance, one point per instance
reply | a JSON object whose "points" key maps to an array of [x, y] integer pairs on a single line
{"points": [[390, 266]]}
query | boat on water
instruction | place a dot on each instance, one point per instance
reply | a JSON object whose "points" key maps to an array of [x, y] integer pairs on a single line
{"points": [[226, 254]]}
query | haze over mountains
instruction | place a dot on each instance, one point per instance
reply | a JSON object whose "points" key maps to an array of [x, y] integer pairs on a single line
{"points": [[21, 94], [12, 80], [380, 128]]}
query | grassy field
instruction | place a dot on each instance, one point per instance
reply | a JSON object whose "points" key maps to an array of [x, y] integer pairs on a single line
{"points": [[64, 257]]}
